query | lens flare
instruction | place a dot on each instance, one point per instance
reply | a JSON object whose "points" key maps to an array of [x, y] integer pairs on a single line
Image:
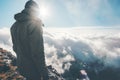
{"points": [[44, 12]]}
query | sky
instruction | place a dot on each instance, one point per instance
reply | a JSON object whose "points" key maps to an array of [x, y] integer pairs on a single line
{"points": [[84, 30], [66, 13]]}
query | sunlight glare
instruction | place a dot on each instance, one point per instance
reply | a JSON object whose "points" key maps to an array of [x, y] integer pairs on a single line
{"points": [[44, 12]]}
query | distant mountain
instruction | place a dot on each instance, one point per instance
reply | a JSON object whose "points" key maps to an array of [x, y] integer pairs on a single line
{"points": [[95, 71]]}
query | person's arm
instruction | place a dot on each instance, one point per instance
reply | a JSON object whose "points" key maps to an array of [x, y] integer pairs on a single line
{"points": [[35, 35]]}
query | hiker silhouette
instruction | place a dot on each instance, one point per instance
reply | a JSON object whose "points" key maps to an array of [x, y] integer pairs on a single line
{"points": [[27, 38]]}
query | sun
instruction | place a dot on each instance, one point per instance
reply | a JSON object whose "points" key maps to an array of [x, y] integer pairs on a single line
{"points": [[44, 12]]}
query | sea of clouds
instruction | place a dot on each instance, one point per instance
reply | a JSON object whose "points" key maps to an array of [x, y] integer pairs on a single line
{"points": [[63, 45]]}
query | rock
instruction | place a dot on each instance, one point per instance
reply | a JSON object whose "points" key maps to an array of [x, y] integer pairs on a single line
{"points": [[53, 74], [8, 68]]}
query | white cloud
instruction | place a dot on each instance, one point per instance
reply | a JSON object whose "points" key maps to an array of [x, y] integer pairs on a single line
{"points": [[65, 45], [4, 35], [5, 39], [86, 44]]}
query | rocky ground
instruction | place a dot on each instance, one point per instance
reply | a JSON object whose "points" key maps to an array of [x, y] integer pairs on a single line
{"points": [[8, 68]]}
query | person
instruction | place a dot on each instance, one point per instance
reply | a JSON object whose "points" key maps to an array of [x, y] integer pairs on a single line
{"points": [[27, 38]]}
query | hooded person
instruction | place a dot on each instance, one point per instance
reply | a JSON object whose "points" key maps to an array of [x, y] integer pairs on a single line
{"points": [[27, 38]]}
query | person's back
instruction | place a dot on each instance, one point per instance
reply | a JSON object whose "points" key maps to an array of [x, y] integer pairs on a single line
{"points": [[27, 37]]}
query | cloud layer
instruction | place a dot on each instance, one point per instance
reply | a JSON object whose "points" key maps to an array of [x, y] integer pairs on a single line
{"points": [[65, 45]]}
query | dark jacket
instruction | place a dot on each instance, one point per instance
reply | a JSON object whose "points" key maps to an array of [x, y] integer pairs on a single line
{"points": [[27, 38]]}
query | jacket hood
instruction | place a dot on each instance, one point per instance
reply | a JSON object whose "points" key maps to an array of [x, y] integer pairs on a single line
{"points": [[21, 17], [26, 14], [31, 4]]}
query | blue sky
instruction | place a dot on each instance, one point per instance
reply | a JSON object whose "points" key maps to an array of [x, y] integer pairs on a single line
{"points": [[67, 13]]}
